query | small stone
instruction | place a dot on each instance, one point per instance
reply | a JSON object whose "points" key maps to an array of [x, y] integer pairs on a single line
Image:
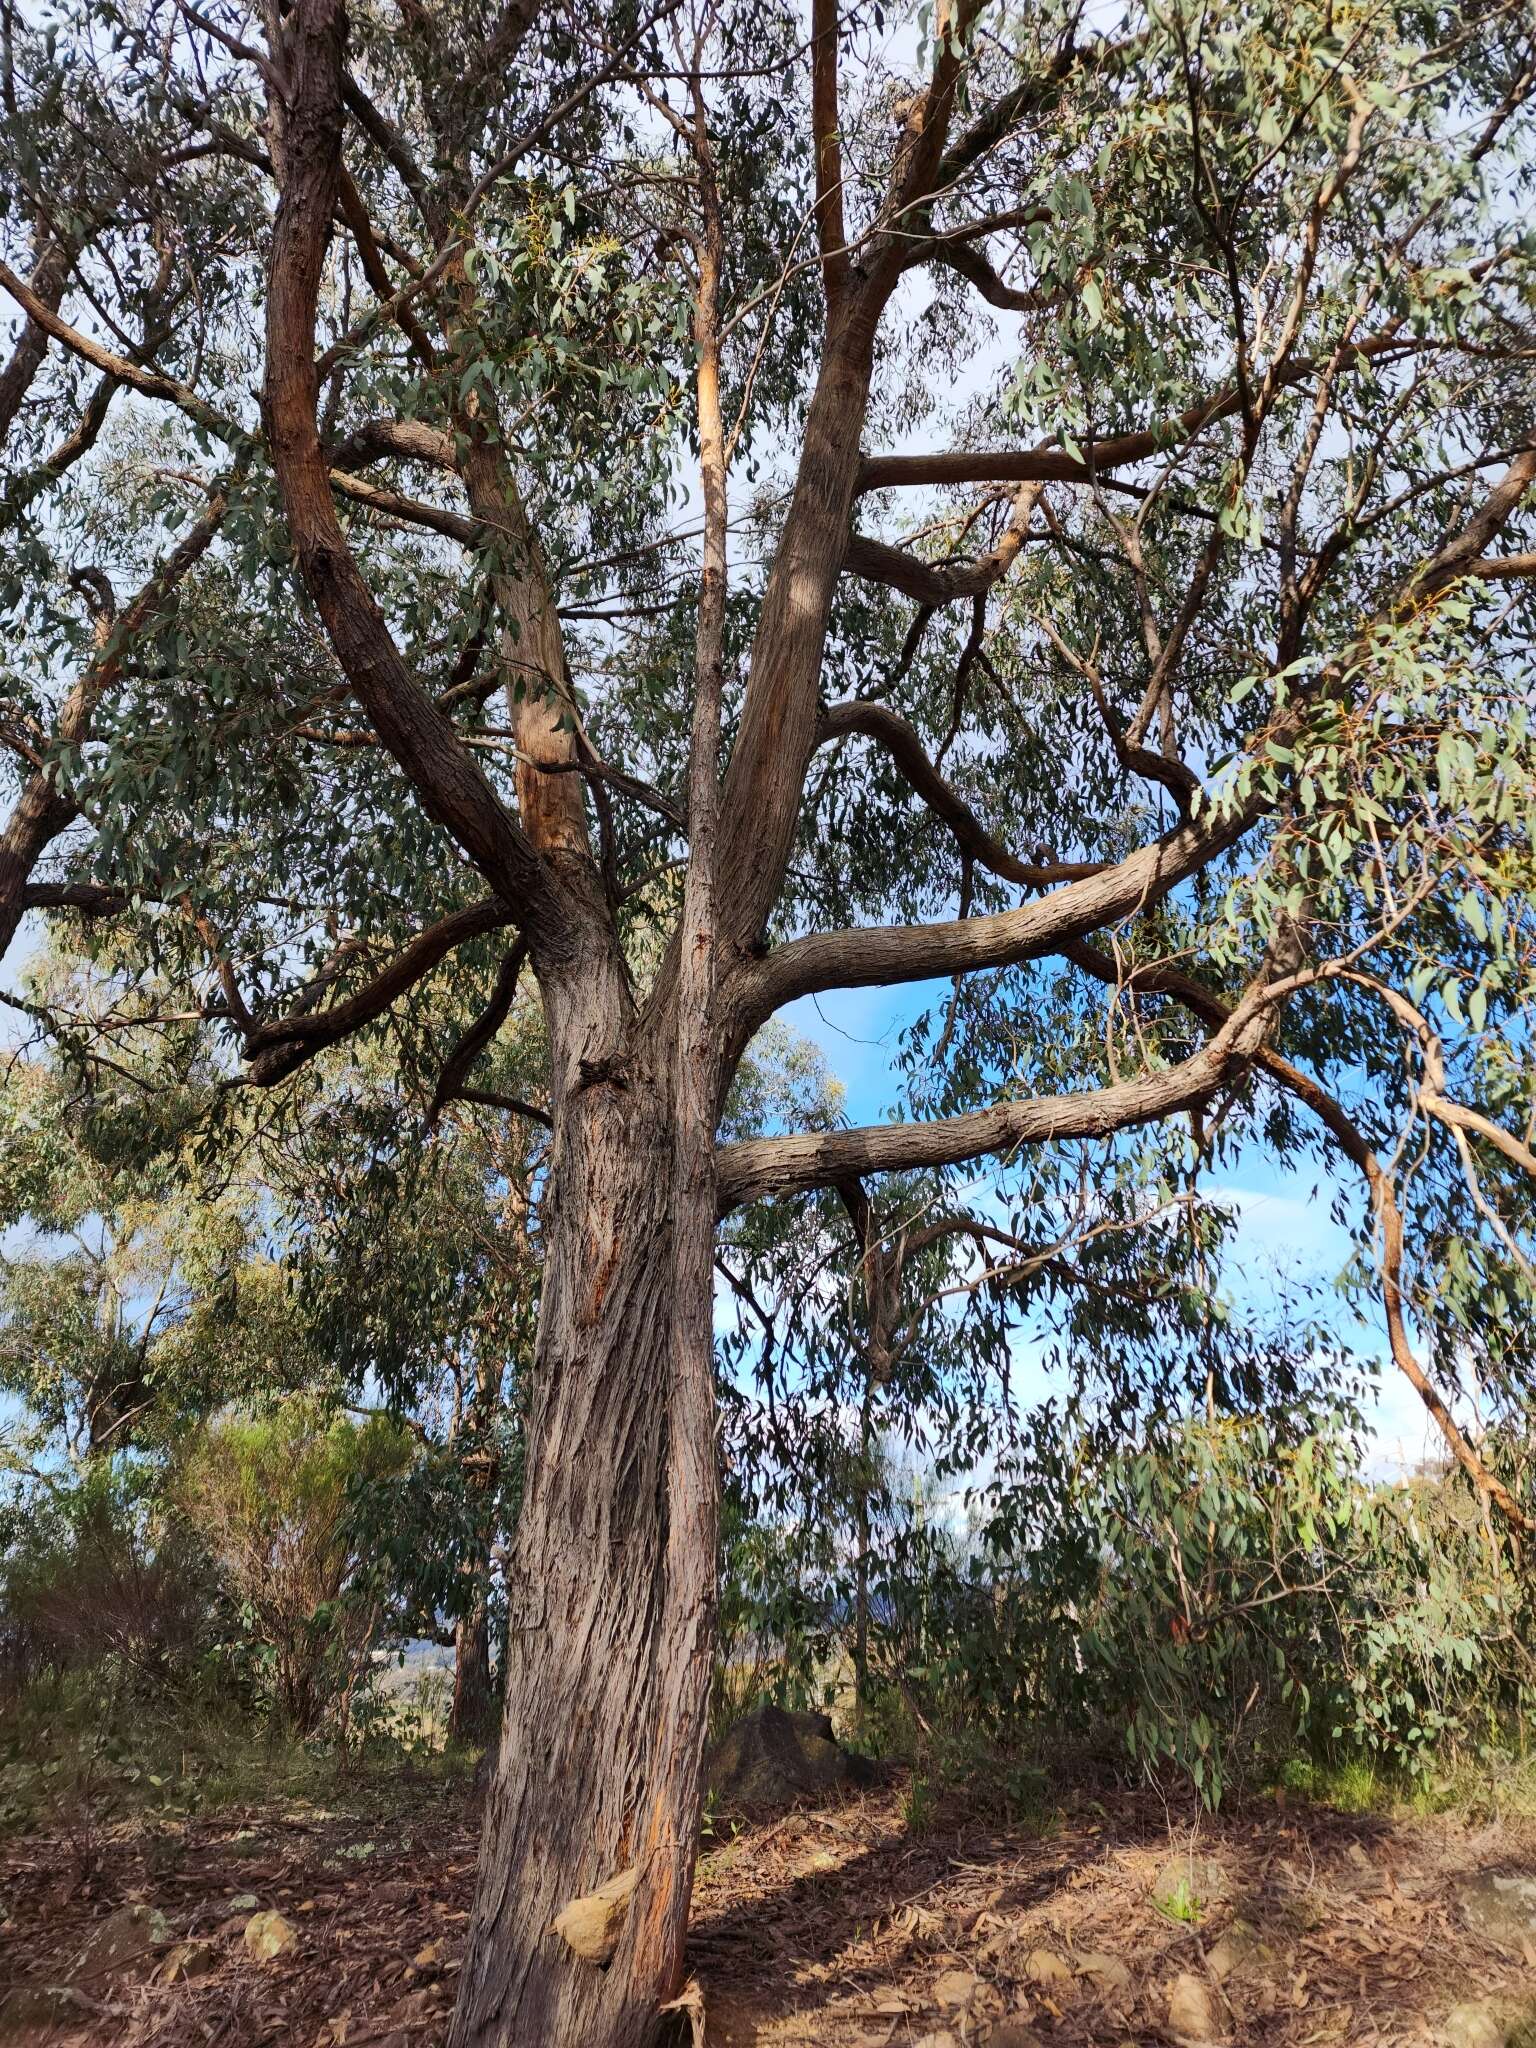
{"points": [[956, 1988], [33, 2010], [186, 1960], [123, 1944], [1191, 2013], [1235, 1951], [268, 1936], [243, 1902], [1044, 1966], [1473, 2025], [1107, 1971], [1501, 1909]]}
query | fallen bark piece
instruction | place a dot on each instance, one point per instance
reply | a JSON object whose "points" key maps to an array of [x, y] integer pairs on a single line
{"points": [[690, 2002], [591, 1925]]}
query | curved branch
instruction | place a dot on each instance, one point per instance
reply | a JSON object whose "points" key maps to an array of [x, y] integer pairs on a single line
{"points": [[280, 1045], [969, 263], [454, 789], [810, 1159], [900, 740], [936, 583], [383, 440], [46, 806], [47, 281], [468, 533], [1048, 464], [91, 899], [457, 1066], [891, 954], [150, 382], [1211, 1009]]}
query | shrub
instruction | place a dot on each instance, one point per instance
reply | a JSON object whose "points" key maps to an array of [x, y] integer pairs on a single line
{"points": [[1229, 1592], [98, 1567], [271, 1494]]}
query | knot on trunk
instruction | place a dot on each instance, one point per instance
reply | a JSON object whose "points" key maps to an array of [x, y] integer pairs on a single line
{"points": [[591, 1925], [613, 1069]]}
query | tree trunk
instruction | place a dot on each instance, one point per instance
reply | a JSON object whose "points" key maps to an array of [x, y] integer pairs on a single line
{"points": [[472, 1717], [612, 1604], [473, 1714], [861, 1571]]}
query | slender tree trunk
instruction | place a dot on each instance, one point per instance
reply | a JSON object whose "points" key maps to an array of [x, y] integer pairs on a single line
{"points": [[612, 1598], [472, 1717], [861, 1571]]}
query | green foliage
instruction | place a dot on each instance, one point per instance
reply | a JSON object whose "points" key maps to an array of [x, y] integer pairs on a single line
{"points": [[99, 1573], [1227, 1593], [271, 1494], [1312, 215]]}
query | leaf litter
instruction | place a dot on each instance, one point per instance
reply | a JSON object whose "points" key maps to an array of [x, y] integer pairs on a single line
{"points": [[831, 1927]]}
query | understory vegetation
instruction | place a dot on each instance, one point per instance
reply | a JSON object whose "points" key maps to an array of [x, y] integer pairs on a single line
{"points": [[1233, 1608], [265, 1446]]}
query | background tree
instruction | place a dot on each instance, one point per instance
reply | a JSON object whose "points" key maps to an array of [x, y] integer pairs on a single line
{"points": [[270, 1495], [1202, 769]]}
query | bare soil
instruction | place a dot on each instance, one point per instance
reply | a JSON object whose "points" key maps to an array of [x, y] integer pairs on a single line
{"points": [[834, 1924]]}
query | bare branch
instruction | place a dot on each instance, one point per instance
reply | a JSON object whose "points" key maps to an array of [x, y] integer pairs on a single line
{"points": [[275, 1048]]}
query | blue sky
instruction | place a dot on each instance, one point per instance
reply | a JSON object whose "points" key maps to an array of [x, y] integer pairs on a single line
{"points": [[1286, 1229]]}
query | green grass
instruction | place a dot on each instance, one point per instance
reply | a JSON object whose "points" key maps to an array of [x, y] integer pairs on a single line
{"points": [[75, 1755], [1498, 1783], [1182, 1905]]}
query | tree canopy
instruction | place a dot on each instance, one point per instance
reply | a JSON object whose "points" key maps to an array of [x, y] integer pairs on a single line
{"points": [[681, 510]]}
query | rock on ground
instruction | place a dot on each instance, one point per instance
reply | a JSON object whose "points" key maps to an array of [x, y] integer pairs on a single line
{"points": [[1186, 1884], [1191, 2011], [771, 1758], [1502, 1909], [126, 1943], [269, 1935], [1473, 2025]]}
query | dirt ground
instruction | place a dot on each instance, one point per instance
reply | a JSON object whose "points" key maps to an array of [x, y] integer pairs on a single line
{"points": [[1279, 1927]]}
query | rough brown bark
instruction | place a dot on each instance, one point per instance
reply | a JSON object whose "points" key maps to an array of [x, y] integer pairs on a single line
{"points": [[472, 1717], [608, 1684], [612, 1594]]}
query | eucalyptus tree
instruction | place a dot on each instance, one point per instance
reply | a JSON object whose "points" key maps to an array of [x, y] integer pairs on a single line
{"points": [[135, 1296], [1128, 625]]}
